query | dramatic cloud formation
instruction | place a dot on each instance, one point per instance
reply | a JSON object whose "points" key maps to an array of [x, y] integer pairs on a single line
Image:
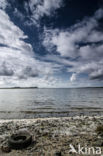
{"points": [[83, 43], [46, 54], [13, 50], [17, 58]]}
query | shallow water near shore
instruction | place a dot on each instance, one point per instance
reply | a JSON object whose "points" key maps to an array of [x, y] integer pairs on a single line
{"points": [[34, 103]]}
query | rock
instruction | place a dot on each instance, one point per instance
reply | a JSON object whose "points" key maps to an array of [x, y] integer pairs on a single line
{"points": [[58, 154], [5, 148]]}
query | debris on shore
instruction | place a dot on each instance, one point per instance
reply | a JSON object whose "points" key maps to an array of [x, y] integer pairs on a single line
{"points": [[52, 136]]}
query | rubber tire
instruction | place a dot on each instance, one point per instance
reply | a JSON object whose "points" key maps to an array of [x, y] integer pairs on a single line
{"points": [[25, 140]]}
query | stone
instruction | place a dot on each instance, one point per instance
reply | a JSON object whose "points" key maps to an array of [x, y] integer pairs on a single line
{"points": [[5, 148]]}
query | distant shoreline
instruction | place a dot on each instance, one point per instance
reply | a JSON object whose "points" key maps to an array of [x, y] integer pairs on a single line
{"points": [[49, 88], [21, 88]]}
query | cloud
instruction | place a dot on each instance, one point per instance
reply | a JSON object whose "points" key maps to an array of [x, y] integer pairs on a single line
{"points": [[10, 34], [14, 50], [32, 10], [82, 44], [18, 14], [73, 77], [39, 8], [18, 63], [3, 4], [77, 49], [5, 70], [67, 41], [97, 74]]}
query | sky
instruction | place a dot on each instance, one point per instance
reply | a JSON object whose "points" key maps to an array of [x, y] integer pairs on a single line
{"points": [[51, 43]]}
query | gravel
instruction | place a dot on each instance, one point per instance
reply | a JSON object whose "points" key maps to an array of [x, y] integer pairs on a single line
{"points": [[52, 136]]}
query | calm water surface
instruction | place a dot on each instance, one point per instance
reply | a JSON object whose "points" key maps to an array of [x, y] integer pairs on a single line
{"points": [[33, 103]]}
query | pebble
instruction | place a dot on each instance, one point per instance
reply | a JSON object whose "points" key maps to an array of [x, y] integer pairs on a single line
{"points": [[53, 135]]}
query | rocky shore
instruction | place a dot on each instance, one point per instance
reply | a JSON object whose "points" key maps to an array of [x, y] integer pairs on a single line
{"points": [[54, 136]]}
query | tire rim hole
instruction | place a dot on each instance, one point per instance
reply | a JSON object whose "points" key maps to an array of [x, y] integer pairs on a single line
{"points": [[17, 138]]}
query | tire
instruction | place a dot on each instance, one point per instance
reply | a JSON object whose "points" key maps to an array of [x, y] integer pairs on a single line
{"points": [[20, 140]]}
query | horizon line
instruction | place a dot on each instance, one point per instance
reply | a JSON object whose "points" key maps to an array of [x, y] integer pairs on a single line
{"points": [[50, 87]]}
